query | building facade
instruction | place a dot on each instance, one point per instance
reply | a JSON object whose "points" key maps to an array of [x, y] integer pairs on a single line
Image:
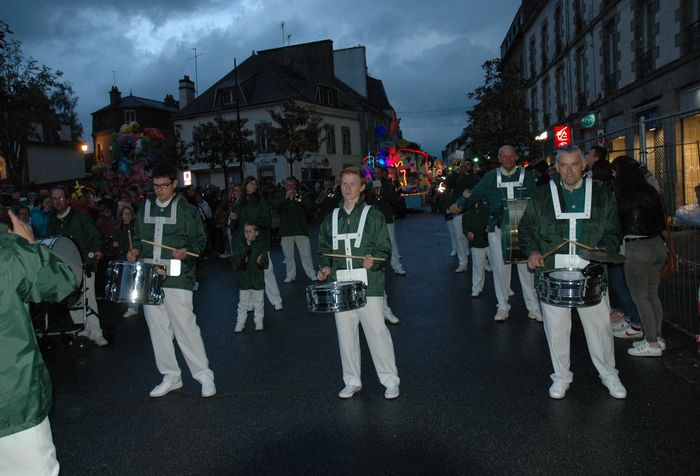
{"points": [[334, 84], [620, 73]]}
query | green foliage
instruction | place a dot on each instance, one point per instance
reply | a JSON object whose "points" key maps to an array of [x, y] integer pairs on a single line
{"points": [[223, 143], [30, 94], [500, 115], [173, 150], [295, 133]]}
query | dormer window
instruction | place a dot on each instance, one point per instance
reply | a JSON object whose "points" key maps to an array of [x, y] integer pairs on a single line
{"points": [[327, 96], [129, 116], [228, 96]]}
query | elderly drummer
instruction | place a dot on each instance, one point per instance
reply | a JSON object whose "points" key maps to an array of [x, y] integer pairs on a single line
{"points": [[582, 211], [500, 187], [357, 229], [176, 228]]}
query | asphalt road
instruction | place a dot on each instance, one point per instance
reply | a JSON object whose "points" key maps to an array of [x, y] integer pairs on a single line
{"points": [[473, 393]]}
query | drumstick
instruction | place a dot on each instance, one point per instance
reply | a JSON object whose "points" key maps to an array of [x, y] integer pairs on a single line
{"points": [[353, 257], [555, 249], [131, 244], [169, 248], [585, 247]]}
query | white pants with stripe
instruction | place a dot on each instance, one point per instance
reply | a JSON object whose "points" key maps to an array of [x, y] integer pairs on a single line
{"points": [[304, 247], [175, 318], [381, 347], [251, 298], [29, 452]]}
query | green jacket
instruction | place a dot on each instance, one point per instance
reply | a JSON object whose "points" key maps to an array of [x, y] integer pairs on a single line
{"points": [[387, 201], [250, 273], [79, 227], [187, 232], [487, 190], [254, 210], [476, 220], [539, 230], [31, 273], [292, 214], [375, 242]]}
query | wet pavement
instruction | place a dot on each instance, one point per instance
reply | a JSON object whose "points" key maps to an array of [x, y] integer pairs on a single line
{"points": [[473, 393]]}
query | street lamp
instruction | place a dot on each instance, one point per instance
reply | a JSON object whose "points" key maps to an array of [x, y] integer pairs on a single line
{"points": [[83, 147]]}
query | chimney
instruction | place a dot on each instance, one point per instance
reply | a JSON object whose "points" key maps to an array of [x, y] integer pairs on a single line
{"points": [[186, 91], [170, 101], [114, 96]]}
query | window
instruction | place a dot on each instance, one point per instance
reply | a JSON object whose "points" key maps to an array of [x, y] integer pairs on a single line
{"points": [[561, 92], [579, 21], [129, 116], [691, 29], [558, 30], [327, 96], [581, 102], [100, 153], [261, 137], [545, 102], [645, 38], [330, 139], [345, 138], [533, 61], [544, 39], [610, 57], [533, 100], [228, 96]]}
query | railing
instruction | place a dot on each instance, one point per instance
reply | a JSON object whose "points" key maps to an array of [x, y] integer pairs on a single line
{"points": [[645, 64], [691, 37]]}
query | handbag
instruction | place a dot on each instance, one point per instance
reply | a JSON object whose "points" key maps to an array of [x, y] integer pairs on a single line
{"points": [[670, 266]]}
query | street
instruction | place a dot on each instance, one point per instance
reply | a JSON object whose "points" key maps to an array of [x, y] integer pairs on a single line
{"points": [[473, 393]]}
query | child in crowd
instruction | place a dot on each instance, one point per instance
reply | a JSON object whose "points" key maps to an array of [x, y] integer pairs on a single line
{"points": [[126, 226], [250, 258]]}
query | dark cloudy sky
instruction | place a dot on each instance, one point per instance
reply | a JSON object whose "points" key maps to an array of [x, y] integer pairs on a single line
{"points": [[428, 53]]}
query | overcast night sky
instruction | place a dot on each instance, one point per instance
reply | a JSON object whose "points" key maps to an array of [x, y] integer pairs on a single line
{"points": [[428, 54]]}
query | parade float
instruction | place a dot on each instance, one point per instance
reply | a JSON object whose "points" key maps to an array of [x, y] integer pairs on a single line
{"points": [[133, 152]]}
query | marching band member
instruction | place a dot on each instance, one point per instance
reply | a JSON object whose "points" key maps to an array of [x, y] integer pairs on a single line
{"points": [[585, 212], [504, 184], [384, 197], [170, 220], [327, 199], [359, 230], [249, 257]]}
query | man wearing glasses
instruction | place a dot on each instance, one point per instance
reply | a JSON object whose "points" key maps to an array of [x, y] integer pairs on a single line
{"points": [[169, 220], [81, 229]]}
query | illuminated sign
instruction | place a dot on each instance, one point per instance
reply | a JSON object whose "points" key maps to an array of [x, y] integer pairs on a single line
{"points": [[187, 178], [588, 121], [562, 136]]}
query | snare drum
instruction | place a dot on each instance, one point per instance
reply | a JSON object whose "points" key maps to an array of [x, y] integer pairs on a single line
{"points": [[134, 283], [510, 219], [68, 251], [572, 287], [336, 297]]}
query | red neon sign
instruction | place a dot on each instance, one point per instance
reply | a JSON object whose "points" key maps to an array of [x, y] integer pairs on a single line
{"points": [[562, 136]]}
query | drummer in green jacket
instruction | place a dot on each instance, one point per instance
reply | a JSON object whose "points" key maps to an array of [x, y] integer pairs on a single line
{"points": [[31, 274], [584, 211], [356, 229], [82, 230], [249, 258], [169, 220]]}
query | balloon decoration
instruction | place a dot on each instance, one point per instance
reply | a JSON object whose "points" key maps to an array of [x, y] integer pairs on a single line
{"points": [[132, 151]]}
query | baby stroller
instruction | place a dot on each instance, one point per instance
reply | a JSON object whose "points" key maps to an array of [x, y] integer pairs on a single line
{"points": [[53, 324]]}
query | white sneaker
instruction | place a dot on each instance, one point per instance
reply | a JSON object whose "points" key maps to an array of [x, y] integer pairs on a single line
{"points": [[400, 272], [289, 280], [258, 326], [535, 316], [645, 350], [461, 269], [130, 313], [511, 293], [391, 318], [208, 389], [454, 253], [349, 390], [623, 330], [240, 327], [558, 390], [501, 315], [615, 387], [391, 392], [660, 340], [99, 341], [165, 387], [278, 307], [476, 294]]}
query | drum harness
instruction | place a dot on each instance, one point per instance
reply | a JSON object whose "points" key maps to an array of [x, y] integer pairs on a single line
{"points": [[158, 232], [572, 216], [347, 237], [510, 186]]}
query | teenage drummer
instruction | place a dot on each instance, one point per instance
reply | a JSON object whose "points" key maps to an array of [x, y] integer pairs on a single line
{"points": [[176, 228], [356, 229], [585, 212], [507, 183]]}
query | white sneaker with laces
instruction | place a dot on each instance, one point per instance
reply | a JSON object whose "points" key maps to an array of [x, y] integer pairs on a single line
{"points": [[615, 387], [349, 390], [645, 349], [501, 315], [208, 389], [165, 387], [623, 330], [391, 392], [558, 390], [660, 340]]}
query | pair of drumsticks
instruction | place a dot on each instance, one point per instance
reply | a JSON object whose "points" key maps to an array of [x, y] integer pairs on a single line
{"points": [[566, 240], [160, 245]]}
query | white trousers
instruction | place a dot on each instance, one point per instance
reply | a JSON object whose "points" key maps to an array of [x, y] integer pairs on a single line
{"points": [[92, 323], [453, 238], [304, 247], [462, 242], [385, 308], [502, 273], [175, 318], [596, 326], [381, 347], [251, 298], [395, 256], [271, 289], [478, 268], [29, 453]]}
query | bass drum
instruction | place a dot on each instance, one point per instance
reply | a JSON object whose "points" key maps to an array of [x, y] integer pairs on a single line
{"points": [[66, 249]]}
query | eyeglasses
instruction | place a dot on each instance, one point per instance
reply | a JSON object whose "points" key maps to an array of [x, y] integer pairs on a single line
{"points": [[161, 186], [59, 199]]}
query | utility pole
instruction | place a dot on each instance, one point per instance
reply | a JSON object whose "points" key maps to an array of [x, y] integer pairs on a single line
{"points": [[196, 75], [283, 34], [238, 118], [114, 78]]}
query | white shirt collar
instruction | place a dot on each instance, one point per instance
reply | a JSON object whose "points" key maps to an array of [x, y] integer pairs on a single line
{"points": [[63, 215], [508, 174], [166, 203]]}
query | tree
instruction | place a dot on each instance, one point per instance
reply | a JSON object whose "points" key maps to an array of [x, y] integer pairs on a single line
{"points": [[30, 94], [500, 115], [223, 143], [297, 132], [172, 150]]}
